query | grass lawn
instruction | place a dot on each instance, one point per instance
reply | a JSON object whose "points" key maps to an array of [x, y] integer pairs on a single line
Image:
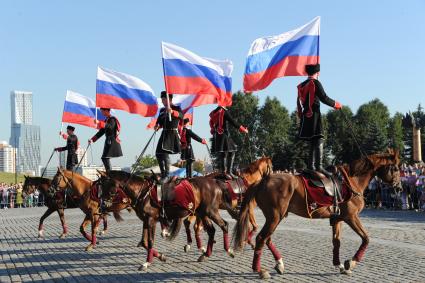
{"points": [[10, 178]]}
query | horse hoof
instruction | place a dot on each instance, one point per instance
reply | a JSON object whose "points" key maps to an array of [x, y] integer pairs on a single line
{"points": [[89, 248], [140, 244], [103, 232], [186, 248], [203, 250], [162, 257], [279, 267], [252, 246], [340, 268], [202, 258], [264, 274], [41, 234], [349, 264], [165, 233], [231, 253], [144, 267], [62, 236]]}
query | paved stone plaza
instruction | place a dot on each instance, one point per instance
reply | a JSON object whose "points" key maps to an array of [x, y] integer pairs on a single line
{"points": [[396, 252]]}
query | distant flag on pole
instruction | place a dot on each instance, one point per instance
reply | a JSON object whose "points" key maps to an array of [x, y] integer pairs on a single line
{"points": [[184, 101], [282, 55], [121, 91], [79, 109], [187, 73]]}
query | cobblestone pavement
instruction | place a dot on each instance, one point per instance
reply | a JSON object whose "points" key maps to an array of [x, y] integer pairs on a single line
{"points": [[396, 252]]}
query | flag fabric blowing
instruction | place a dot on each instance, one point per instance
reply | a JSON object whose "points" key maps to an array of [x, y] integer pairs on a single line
{"points": [[188, 73], [117, 90], [282, 55]]}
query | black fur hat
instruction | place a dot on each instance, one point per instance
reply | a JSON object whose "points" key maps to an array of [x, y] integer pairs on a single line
{"points": [[312, 69]]}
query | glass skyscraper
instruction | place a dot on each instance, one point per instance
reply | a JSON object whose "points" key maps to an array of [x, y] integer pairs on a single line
{"points": [[25, 137]]}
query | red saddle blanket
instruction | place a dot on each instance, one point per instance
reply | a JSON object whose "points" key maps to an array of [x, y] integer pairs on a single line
{"points": [[236, 188], [316, 197], [120, 196], [181, 195]]}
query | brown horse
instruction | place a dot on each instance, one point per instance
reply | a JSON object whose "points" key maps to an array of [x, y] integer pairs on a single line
{"points": [[251, 175], [86, 190], [279, 194], [55, 201]]}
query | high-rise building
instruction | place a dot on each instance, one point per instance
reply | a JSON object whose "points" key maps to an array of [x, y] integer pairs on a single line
{"points": [[80, 153], [21, 107], [7, 157], [25, 136]]}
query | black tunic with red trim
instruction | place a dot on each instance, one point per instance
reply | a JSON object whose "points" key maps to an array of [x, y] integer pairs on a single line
{"points": [[71, 147], [186, 143], [169, 142], [310, 94], [112, 147], [220, 119]]}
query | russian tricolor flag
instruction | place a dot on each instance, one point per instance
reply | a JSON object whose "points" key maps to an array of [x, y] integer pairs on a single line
{"points": [[186, 103], [79, 109], [121, 91], [187, 73], [282, 55]]}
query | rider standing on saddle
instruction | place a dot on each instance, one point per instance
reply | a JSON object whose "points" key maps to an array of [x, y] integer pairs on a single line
{"points": [[186, 137], [310, 94], [169, 142], [110, 128], [71, 146], [222, 143]]}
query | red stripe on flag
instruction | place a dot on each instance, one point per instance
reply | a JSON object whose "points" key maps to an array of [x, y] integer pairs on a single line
{"points": [[290, 66], [69, 117], [129, 105], [198, 86]]}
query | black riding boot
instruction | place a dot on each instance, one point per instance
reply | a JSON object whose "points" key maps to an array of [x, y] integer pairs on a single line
{"points": [[107, 164], [311, 157], [230, 161], [164, 166], [318, 152], [221, 161], [189, 168]]}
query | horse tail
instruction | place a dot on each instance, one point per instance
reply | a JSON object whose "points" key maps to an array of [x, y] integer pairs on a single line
{"points": [[240, 232], [175, 226], [117, 216]]}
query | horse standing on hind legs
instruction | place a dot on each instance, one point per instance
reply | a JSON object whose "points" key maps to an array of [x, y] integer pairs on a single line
{"points": [[279, 194], [89, 202], [55, 200], [250, 176]]}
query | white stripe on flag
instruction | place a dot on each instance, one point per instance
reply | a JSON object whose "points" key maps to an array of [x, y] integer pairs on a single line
{"points": [[122, 78]]}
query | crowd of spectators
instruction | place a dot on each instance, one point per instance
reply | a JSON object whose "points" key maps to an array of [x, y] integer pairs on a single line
{"points": [[11, 196]]}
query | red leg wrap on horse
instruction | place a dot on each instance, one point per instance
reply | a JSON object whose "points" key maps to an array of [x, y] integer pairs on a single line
{"points": [[93, 240], [150, 255], [256, 263], [40, 227], [87, 236], [198, 241], [226, 242], [209, 248], [275, 252], [360, 253], [336, 260], [155, 253], [250, 234]]}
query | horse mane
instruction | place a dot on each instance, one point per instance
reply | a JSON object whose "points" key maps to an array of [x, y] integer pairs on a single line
{"points": [[78, 176], [40, 179], [253, 167], [367, 163]]}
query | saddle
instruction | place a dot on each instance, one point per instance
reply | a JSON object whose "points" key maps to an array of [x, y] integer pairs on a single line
{"points": [[331, 184], [236, 188]]}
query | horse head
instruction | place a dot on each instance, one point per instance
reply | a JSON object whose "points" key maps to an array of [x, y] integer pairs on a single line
{"points": [[388, 168], [109, 186], [29, 186]]}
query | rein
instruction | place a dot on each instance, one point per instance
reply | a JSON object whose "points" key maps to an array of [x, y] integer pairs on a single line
{"points": [[363, 154], [348, 182]]}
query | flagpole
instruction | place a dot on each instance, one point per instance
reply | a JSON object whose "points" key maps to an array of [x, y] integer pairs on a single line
{"points": [[165, 82]]}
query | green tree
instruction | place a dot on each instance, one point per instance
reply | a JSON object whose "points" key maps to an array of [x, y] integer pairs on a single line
{"points": [[339, 136], [244, 111], [396, 134], [146, 161], [375, 141], [372, 114], [272, 131]]}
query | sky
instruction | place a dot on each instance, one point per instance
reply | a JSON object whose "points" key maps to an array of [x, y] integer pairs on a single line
{"points": [[368, 49]]}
